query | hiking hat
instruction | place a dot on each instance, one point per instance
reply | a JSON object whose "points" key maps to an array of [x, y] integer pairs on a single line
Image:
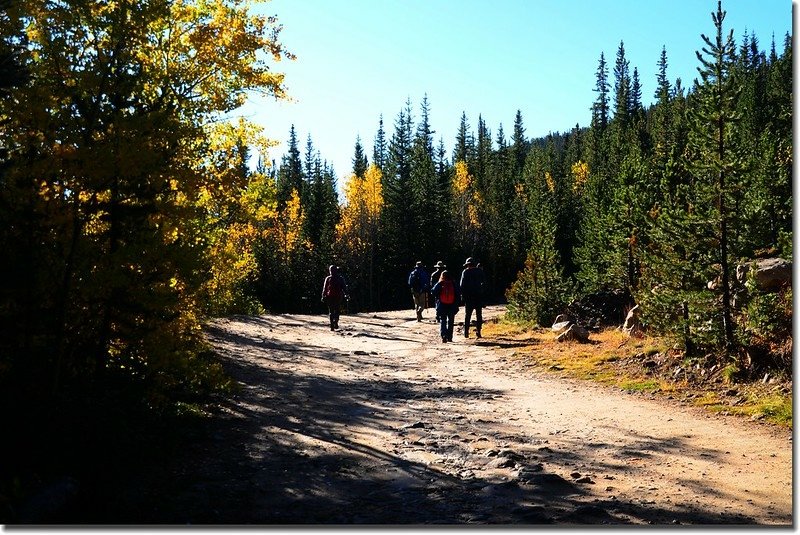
{"points": [[419, 263], [439, 264], [469, 262]]}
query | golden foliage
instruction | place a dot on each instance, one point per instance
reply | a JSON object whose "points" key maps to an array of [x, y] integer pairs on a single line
{"points": [[118, 157], [289, 226], [468, 200], [462, 180], [360, 215], [580, 174], [548, 178]]}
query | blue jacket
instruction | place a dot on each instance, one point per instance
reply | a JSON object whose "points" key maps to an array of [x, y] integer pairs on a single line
{"points": [[419, 279]]}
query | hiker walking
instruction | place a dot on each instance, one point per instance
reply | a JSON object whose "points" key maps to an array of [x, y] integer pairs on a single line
{"points": [[472, 281], [419, 282], [435, 278], [447, 295], [334, 292]]}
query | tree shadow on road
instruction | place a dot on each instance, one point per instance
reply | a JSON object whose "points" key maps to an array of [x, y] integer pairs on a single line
{"points": [[280, 452]]}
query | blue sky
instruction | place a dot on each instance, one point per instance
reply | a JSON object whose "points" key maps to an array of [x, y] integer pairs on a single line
{"points": [[358, 59]]}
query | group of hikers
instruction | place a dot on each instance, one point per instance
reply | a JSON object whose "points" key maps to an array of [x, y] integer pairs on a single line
{"points": [[448, 294], [440, 285]]}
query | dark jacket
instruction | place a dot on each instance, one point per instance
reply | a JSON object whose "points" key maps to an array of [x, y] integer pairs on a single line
{"points": [[419, 280], [435, 276], [442, 308], [472, 281], [334, 289]]}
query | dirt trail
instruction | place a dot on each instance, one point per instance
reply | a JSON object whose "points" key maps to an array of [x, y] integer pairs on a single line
{"points": [[380, 423]]}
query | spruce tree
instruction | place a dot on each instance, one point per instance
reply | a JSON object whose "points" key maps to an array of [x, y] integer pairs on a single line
{"points": [[464, 147], [540, 290], [290, 173], [519, 146], [717, 165], [428, 240], [399, 223], [622, 87], [360, 163], [380, 149]]}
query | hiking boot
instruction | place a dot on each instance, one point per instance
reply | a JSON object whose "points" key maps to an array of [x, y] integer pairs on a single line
{"points": [[466, 334], [444, 339], [478, 334]]}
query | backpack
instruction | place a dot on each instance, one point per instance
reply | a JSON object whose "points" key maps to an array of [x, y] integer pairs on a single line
{"points": [[447, 293], [335, 288], [414, 281]]}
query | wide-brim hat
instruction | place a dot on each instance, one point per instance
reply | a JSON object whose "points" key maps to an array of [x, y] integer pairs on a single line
{"points": [[469, 262], [439, 264], [419, 263]]}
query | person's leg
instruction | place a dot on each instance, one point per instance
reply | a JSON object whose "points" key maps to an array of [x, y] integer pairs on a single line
{"points": [[337, 308], [478, 319], [467, 317], [443, 326], [451, 320], [331, 314]]}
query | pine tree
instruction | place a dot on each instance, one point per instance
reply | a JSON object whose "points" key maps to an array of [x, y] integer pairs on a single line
{"points": [[600, 108], [360, 163], [380, 150], [429, 241], [622, 87], [398, 228], [716, 164], [290, 173], [464, 147], [540, 291], [519, 146]]}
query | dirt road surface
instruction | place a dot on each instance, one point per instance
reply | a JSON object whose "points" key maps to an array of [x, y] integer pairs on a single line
{"points": [[381, 423]]}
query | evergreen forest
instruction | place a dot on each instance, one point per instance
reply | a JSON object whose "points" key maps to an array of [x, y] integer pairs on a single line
{"points": [[132, 209]]}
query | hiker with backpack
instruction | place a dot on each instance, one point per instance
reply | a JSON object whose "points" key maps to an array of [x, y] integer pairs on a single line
{"points": [[472, 281], [447, 295], [419, 282], [435, 278], [334, 292]]}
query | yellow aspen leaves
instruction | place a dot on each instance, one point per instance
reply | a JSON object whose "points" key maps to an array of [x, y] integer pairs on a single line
{"points": [[580, 174], [548, 178], [361, 211], [462, 180]]}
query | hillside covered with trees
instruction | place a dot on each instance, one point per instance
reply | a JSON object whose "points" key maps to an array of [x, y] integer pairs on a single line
{"points": [[657, 202]]}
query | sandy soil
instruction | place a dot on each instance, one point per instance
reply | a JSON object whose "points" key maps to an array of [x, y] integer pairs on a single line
{"points": [[381, 423]]}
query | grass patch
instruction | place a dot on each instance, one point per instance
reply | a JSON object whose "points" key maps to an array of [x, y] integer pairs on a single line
{"points": [[647, 385], [645, 365]]}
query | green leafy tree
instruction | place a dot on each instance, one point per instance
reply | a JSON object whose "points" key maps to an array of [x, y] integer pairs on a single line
{"points": [[110, 176]]}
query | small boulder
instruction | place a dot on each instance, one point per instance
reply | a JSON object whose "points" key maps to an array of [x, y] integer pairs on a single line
{"points": [[632, 323], [770, 273], [561, 326], [574, 333]]}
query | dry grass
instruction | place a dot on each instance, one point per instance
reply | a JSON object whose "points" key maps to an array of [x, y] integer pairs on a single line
{"points": [[643, 364]]}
